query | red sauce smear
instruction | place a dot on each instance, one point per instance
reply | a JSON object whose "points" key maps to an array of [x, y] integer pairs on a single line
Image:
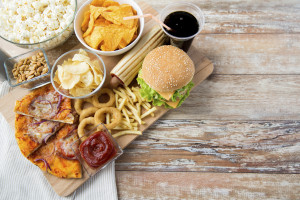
{"points": [[97, 149]]}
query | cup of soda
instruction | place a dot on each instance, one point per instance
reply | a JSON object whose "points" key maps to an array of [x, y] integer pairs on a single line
{"points": [[186, 20]]}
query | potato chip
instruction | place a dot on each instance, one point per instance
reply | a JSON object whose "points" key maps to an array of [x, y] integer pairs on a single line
{"points": [[87, 79], [77, 68], [80, 75], [69, 80], [78, 91]]}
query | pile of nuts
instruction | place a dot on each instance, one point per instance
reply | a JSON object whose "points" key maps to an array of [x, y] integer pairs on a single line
{"points": [[30, 67]]}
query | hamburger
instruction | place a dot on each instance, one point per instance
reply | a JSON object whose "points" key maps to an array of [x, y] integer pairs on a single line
{"points": [[166, 76]]}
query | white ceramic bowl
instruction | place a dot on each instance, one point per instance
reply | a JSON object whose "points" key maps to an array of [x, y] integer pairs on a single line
{"points": [[79, 19]]}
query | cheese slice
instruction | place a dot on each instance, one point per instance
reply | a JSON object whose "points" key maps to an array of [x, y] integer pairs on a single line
{"points": [[165, 95], [173, 104]]}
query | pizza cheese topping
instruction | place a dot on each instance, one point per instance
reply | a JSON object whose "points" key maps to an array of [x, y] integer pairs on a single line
{"points": [[41, 130]]}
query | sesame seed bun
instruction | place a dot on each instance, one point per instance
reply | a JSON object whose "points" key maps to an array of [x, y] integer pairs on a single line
{"points": [[167, 68]]}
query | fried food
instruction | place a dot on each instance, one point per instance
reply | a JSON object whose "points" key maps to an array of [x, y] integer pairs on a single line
{"points": [[111, 102], [100, 116], [79, 75], [78, 105], [88, 112], [104, 28], [83, 124], [130, 103]]}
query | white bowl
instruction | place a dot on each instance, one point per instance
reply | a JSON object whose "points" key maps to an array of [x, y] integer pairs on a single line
{"points": [[78, 31]]}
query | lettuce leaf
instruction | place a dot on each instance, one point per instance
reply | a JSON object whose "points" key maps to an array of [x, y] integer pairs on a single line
{"points": [[151, 95]]}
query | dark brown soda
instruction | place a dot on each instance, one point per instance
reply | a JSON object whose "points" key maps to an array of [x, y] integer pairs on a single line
{"points": [[183, 24]]}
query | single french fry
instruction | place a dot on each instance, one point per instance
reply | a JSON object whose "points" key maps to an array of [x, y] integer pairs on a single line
{"points": [[126, 133], [122, 104], [148, 112]]}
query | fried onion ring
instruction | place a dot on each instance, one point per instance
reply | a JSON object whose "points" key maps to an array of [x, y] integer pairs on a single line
{"points": [[78, 105], [83, 124], [88, 112], [116, 116], [95, 98]]}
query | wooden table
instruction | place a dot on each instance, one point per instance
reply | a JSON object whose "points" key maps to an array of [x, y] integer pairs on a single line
{"points": [[238, 134]]}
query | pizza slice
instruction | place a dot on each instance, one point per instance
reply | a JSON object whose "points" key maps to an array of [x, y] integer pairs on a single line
{"points": [[30, 132], [57, 157], [46, 103]]}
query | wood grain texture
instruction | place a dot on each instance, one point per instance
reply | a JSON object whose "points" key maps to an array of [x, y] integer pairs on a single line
{"points": [[213, 186], [216, 146], [245, 16], [244, 118], [251, 53], [243, 97]]}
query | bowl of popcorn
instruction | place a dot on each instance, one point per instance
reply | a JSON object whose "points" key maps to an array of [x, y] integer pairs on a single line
{"points": [[78, 73], [37, 24], [100, 26]]}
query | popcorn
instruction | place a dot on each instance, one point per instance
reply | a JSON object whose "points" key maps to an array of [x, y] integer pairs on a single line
{"points": [[34, 21]]}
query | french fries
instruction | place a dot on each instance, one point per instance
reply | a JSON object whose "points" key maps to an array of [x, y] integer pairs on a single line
{"points": [[131, 104]]}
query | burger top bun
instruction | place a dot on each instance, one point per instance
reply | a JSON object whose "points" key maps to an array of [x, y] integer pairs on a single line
{"points": [[167, 68]]}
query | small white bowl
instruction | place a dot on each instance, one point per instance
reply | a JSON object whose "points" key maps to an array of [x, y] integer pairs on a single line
{"points": [[78, 31]]}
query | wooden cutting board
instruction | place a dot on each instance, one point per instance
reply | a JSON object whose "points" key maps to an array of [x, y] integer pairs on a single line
{"points": [[65, 187]]}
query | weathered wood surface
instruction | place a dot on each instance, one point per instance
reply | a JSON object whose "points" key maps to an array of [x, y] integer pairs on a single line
{"points": [[241, 97], [252, 53], [245, 16], [216, 146], [237, 135], [212, 186]]}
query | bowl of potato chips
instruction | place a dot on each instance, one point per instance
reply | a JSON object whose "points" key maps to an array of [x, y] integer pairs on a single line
{"points": [[100, 27], [78, 74]]}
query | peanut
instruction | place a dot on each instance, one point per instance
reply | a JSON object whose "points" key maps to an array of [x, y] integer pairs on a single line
{"points": [[30, 67]]}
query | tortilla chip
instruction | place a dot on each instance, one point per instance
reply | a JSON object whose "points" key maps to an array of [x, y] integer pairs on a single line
{"points": [[90, 27], [110, 3], [86, 19], [97, 3]]}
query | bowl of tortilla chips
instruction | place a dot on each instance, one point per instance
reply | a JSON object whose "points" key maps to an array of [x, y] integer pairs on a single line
{"points": [[100, 27]]}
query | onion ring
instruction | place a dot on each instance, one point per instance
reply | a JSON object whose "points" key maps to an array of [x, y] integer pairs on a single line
{"points": [[111, 102], [78, 105], [116, 115], [88, 112], [83, 124]]}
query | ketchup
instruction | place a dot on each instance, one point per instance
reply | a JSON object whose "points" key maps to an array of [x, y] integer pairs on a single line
{"points": [[97, 149]]}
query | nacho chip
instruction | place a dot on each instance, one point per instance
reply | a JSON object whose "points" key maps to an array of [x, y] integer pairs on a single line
{"points": [[106, 29], [110, 3], [101, 21], [96, 11], [112, 35], [86, 19], [116, 15], [97, 2], [97, 37], [90, 26], [128, 35]]}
